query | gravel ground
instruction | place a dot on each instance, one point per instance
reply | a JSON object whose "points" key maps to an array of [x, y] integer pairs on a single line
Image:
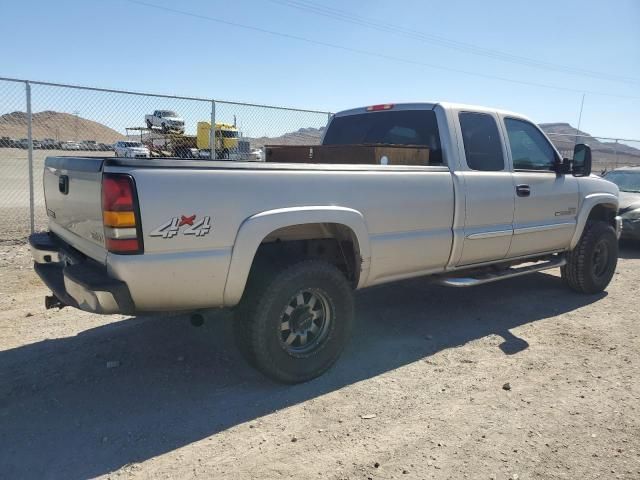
{"points": [[522, 379], [14, 189]]}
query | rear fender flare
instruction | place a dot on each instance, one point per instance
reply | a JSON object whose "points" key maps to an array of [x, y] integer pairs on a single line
{"points": [[255, 228]]}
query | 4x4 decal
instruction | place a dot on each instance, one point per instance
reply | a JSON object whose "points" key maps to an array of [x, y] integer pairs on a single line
{"points": [[171, 228]]}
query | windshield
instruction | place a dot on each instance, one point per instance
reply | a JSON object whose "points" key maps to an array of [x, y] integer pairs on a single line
{"points": [[400, 127], [626, 181], [227, 133]]}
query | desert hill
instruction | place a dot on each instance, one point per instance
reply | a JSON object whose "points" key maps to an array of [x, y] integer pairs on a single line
{"points": [[57, 125]]}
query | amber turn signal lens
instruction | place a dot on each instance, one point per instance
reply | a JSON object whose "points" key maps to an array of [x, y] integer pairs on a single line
{"points": [[119, 219]]}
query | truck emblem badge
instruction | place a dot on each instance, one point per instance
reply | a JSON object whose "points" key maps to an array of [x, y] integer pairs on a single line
{"points": [[171, 228], [186, 220]]}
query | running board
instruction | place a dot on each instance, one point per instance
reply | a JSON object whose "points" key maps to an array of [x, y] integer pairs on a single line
{"points": [[508, 273]]}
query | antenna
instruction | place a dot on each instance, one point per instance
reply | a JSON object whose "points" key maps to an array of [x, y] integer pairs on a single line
{"points": [[579, 119]]}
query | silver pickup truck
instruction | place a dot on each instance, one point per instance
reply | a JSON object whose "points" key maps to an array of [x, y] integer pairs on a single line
{"points": [[287, 244]]}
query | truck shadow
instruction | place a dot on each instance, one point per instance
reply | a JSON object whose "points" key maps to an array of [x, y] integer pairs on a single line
{"points": [[64, 414]]}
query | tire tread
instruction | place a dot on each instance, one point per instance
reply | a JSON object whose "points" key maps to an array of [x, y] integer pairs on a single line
{"points": [[574, 273], [261, 290]]}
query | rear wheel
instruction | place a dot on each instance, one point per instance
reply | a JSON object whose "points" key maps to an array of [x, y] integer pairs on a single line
{"points": [[293, 324], [591, 265]]}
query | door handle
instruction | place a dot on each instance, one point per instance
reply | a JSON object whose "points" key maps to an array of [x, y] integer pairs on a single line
{"points": [[63, 184], [523, 190]]}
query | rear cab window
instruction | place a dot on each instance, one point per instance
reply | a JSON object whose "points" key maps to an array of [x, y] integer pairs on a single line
{"points": [[391, 127], [482, 143]]}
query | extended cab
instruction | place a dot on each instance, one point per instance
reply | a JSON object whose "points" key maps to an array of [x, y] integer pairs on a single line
{"points": [[286, 244]]}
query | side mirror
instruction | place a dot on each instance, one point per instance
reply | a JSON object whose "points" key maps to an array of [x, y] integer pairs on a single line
{"points": [[581, 160], [561, 167]]}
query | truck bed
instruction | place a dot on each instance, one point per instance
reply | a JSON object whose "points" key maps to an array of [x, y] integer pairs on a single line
{"points": [[407, 212], [227, 165]]}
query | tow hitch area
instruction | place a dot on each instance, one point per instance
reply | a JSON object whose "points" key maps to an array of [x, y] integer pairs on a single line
{"points": [[197, 319], [51, 301]]}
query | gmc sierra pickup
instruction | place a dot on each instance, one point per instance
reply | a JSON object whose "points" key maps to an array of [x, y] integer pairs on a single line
{"points": [[286, 244]]}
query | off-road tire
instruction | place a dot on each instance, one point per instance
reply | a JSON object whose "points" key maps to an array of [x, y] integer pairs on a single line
{"points": [[258, 318], [584, 272]]}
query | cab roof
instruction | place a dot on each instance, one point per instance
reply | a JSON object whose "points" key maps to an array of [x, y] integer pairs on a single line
{"points": [[431, 106]]}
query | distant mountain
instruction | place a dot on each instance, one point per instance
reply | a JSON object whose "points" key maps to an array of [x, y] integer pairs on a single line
{"points": [[57, 125], [65, 126], [304, 136], [569, 135], [563, 135]]}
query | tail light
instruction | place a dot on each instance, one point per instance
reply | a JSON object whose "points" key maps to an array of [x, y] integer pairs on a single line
{"points": [[377, 108], [120, 214]]}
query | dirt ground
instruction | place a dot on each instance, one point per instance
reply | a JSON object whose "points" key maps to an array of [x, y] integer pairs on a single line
{"points": [[420, 392]]}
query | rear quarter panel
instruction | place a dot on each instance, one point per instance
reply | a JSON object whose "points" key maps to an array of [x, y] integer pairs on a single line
{"points": [[408, 214]]}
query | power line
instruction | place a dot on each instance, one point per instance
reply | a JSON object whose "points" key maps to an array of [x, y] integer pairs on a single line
{"points": [[344, 16], [368, 52]]}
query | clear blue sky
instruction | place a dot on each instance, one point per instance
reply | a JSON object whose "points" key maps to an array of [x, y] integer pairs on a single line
{"points": [[121, 44]]}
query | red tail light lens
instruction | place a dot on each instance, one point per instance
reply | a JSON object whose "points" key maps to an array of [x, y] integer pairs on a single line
{"points": [[120, 215], [118, 245], [117, 193]]}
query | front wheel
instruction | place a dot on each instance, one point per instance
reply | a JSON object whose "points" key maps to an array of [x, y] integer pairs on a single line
{"points": [[293, 324], [591, 265]]}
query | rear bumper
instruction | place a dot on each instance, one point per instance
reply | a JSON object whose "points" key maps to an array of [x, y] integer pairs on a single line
{"points": [[77, 281]]}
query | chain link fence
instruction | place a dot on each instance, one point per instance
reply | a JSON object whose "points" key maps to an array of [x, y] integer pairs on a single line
{"points": [[607, 153], [39, 119]]}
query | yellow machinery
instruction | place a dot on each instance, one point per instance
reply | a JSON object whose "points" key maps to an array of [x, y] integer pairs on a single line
{"points": [[226, 138]]}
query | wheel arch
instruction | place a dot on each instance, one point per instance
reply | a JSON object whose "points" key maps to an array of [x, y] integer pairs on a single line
{"points": [[601, 206], [256, 229]]}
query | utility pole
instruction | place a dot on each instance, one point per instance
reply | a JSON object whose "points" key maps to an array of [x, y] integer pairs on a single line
{"points": [[76, 113]]}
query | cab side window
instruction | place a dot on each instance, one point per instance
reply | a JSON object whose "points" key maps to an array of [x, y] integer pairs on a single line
{"points": [[482, 145], [529, 148]]}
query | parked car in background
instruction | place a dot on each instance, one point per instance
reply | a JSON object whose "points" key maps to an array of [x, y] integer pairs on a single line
{"points": [[628, 181], [166, 120], [256, 155], [69, 145], [90, 145], [105, 147], [50, 144], [6, 142], [23, 143], [129, 149]]}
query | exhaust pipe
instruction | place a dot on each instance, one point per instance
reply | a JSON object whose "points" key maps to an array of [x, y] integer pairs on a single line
{"points": [[51, 301]]}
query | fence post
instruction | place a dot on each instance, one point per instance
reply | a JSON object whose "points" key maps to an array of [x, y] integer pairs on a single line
{"points": [[212, 132], [30, 156], [615, 151]]}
